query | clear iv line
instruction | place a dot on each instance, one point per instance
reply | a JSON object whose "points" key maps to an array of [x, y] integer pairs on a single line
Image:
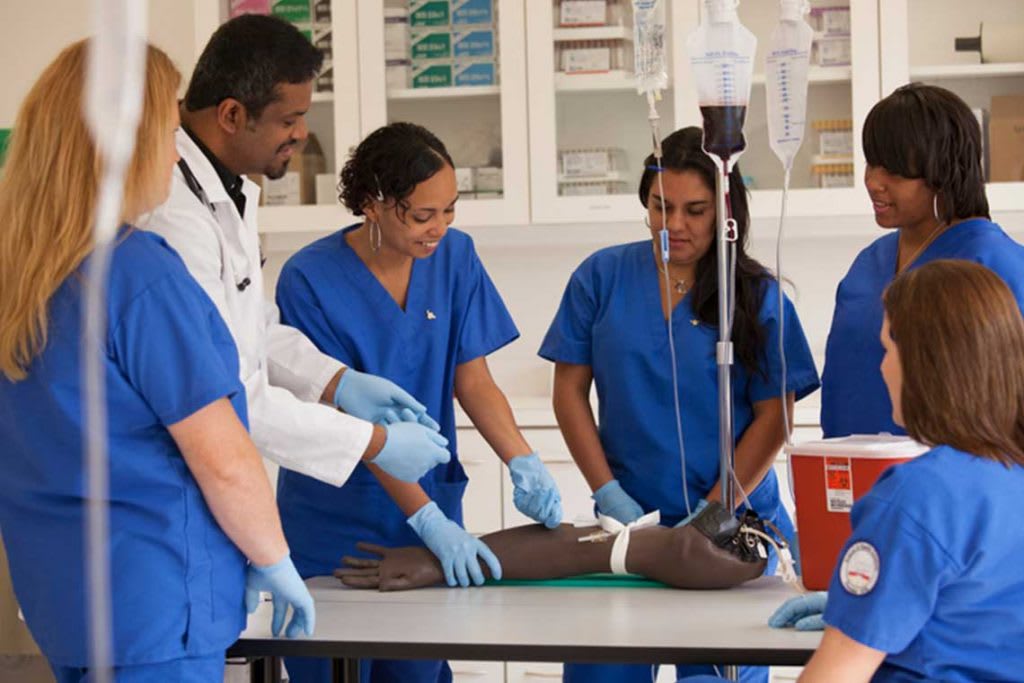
{"points": [[653, 117], [787, 430]]}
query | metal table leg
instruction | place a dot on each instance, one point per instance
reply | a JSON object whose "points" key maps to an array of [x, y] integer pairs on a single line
{"points": [[265, 670], [345, 670]]}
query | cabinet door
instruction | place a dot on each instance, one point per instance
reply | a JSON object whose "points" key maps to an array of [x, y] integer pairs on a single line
{"points": [[466, 82], [918, 41], [576, 500], [477, 672], [481, 507], [333, 116], [843, 85], [533, 672], [589, 130]]}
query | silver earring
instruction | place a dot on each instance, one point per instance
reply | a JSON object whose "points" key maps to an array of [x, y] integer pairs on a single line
{"points": [[375, 236], [935, 207]]}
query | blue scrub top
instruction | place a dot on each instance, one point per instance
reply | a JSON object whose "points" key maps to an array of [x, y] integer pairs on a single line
{"points": [[854, 399], [611, 319], [177, 579], [453, 315], [948, 593]]}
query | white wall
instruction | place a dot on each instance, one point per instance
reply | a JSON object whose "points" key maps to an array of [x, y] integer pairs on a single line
{"points": [[32, 37]]}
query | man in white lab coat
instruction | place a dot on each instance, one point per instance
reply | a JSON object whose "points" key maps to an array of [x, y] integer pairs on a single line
{"points": [[244, 113]]}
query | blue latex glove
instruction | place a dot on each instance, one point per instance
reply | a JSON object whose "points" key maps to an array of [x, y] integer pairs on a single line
{"points": [[457, 549], [614, 502], [283, 582], [411, 450], [376, 399], [804, 612], [535, 493], [697, 509]]}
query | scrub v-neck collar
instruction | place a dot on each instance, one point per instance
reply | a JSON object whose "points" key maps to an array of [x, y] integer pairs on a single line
{"points": [[368, 282]]}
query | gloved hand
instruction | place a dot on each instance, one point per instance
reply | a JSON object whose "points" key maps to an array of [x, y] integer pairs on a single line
{"points": [[535, 493], [697, 509], [411, 450], [283, 582], [614, 502], [379, 400], [804, 612], [456, 548]]}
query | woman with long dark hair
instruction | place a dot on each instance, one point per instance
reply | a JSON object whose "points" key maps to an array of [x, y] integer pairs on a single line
{"points": [[611, 330]]}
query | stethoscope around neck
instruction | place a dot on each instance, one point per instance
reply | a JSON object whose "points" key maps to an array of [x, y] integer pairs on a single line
{"points": [[196, 188]]}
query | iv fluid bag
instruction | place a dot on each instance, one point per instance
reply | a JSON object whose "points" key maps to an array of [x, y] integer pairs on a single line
{"points": [[722, 59], [786, 66], [649, 46]]}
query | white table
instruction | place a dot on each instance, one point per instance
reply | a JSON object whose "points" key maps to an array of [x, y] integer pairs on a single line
{"points": [[538, 623]]}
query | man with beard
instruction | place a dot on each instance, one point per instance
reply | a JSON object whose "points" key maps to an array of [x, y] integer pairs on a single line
{"points": [[244, 112]]}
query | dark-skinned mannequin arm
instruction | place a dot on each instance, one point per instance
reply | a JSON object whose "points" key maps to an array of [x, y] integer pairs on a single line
{"points": [[683, 557]]}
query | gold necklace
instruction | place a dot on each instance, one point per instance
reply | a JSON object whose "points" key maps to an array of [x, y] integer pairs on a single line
{"points": [[917, 252], [680, 284]]}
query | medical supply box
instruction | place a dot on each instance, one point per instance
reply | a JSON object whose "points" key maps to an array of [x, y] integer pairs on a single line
{"points": [[829, 476]]}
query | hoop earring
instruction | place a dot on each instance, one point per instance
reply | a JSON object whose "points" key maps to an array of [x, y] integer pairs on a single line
{"points": [[375, 237], [935, 207]]}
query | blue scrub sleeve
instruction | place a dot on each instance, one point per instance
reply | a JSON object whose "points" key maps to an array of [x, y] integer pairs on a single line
{"points": [[485, 324], [801, 375], [171, 344], [300, 308], [912, 568], [571, 332]]}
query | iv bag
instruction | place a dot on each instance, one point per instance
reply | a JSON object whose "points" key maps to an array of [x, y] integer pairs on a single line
{"points": [[722, 58], [786, 67], [649, 46]]}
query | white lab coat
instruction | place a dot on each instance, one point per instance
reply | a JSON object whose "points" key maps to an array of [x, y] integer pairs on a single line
{"points": [[283, 372]]}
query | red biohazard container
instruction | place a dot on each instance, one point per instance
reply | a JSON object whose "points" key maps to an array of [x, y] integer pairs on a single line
{"points": [[829, 476]]}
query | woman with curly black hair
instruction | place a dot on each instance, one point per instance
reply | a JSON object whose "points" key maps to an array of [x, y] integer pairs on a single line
{"points": [[403, 296]]}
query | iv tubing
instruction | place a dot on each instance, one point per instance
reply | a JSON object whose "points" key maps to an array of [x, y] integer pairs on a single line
{"points": [[787, 430], [653, 118]]}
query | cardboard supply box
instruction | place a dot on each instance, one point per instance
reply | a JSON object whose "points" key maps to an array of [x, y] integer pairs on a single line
{"points": [[298, 184], [1006, 138]]}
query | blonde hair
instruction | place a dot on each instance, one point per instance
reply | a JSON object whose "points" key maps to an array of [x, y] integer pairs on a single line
{"points": [[960, 336], [48, 192]]}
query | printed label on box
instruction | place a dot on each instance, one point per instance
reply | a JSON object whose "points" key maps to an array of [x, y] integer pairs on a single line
{"points": [[838, 485], [322, 10], [240, 7], [295, 11], [432, 76], [430, 44], [475, 73], [325, 80], [479, 43], [583, 13], [581, 60], [429, 13], [465, 12]]}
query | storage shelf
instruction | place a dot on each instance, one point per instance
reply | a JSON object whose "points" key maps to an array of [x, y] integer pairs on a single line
{"points": [[594, 33], [612, 80], [818, 74], [307, 218], [937, 71], [444, 93], [611, 177]]}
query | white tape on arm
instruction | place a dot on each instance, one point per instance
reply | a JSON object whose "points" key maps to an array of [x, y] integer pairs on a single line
{"points": [[621, 532]]}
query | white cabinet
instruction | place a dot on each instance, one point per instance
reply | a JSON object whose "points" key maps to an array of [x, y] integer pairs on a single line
{"points": [[477, 672], [573, 487], [533, 672], [537, 111], [918, 44], [481, 506]]}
